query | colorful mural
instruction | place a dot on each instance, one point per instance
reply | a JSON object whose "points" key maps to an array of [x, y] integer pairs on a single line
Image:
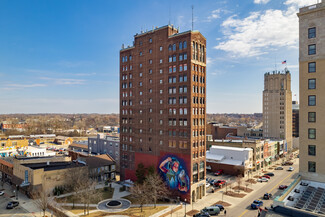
{"points": [[173, 171]]}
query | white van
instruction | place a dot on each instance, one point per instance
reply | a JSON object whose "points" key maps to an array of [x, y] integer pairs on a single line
{"points": [[212, 210]]}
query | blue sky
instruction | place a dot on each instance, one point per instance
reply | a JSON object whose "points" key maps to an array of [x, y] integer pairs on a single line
{"points": [[63, 56]]}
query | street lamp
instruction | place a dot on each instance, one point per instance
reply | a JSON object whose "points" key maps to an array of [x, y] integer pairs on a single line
{"points": [[185, 207]]}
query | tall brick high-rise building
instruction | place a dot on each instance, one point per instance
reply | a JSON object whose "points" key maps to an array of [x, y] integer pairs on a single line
{"points": [[277, 107], [163, 108], [311, 92]]}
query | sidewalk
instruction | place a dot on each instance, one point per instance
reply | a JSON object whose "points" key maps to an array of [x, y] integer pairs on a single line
{"points": [[27, 203]]}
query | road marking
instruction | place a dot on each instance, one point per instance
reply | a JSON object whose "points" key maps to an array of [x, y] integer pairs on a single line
{"points": [[243, 213], [280, 182]]}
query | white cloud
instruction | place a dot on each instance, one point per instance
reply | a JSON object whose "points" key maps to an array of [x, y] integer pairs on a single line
{"points": [[214, 14], [261, 31], [261, 1], [301, 3], [65, 81], [20, 86], [26, 85]]}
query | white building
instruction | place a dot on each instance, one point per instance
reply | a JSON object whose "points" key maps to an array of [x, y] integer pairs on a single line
{"points": [[234, 161]]}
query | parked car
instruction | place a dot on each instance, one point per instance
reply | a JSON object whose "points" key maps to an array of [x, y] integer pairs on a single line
{"points": [[269, 174], [12, 204], [202, 215], [2, 193], [287, 163], [219, 183], [283, 187], [218, 172], [263, 179], [220, 207], [279, 168], [266, 176], [207, 185], [212, 210], [267, 196], [256, 204], [291, 169]]}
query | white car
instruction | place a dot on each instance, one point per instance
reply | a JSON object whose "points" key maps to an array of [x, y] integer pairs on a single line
{"points": [[291, 169], [262, 179], [2, 193], [207, 185]]}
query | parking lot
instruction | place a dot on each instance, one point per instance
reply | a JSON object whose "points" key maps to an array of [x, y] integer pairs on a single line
{"points": [[4, 200]]}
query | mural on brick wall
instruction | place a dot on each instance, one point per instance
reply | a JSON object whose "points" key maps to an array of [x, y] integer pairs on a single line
{"points": [[173, 171]]}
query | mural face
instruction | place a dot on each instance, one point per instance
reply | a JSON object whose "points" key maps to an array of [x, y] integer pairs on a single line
{"points": [[174, 173]]}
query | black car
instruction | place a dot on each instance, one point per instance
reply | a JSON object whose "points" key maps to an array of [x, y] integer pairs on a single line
{"points": [[269, 174], [220, 207], [267, 196], [12, 204]]}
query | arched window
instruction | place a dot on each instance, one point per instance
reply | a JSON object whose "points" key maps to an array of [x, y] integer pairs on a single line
{"points": [[195, 167], [174, 47], [180, 45], [184, 44], [170, 47]]}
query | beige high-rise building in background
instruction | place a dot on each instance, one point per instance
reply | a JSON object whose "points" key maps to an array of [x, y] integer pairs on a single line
{"points": [[277, 107], [312, 91]]}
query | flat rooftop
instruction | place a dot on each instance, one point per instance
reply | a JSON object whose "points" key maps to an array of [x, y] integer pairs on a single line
{"points": [[53, 165], [307, 196], [229, 148]]}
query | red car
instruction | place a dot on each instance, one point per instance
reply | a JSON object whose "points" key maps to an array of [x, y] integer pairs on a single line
{"points": [[283, 187], [218, 172], [219, 183], [265, 176]]}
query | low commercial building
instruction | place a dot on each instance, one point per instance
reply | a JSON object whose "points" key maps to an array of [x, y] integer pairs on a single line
{"points": [[8, 125], [232, 160], [63, 140], [31, 174], [27, 151], [219, 131], [6, 169], [265, 152]]}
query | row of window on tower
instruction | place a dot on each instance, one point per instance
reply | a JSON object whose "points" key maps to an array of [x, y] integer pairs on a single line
{"points": [[181, 57], [126, 57], [198, 52], [181, 45]]}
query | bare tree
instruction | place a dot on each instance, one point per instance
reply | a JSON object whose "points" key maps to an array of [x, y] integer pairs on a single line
{"points": [[77, 182], [89, 194], [141, 194], [43, 197], [157, 187], [239, 181]]}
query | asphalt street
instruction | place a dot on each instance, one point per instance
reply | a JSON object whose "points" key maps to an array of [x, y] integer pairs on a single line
{"points": [[282, 177], [17, 211]]}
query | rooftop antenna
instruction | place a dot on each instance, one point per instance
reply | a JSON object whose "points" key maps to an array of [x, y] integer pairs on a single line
{"points": [[169, 15], [192, 17]]}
